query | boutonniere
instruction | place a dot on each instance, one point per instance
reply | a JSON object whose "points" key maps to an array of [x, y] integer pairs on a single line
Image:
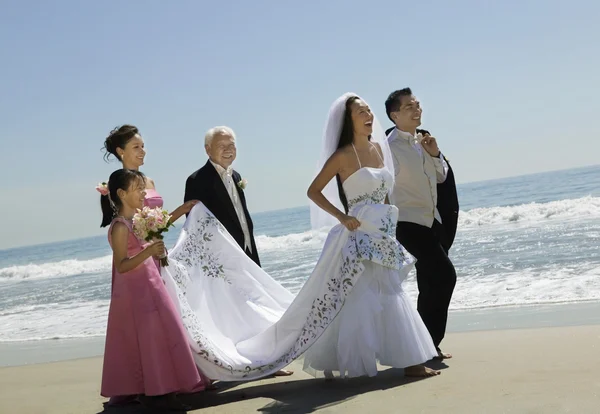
{"points": [[242, 184]]}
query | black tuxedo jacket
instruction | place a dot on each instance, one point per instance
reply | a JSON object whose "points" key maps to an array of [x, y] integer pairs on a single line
{"points": [[206, 186], [447, 203]]}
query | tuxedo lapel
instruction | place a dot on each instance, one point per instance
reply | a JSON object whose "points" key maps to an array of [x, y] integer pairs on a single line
{"points": [[236, 179], [222, 194]]}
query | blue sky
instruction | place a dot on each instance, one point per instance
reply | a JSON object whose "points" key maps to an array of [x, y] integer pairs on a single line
{"points": [[508, 88]]}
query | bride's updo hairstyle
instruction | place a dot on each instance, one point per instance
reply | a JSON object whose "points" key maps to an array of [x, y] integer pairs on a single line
{"points": [[346, 138], [118, 138]]}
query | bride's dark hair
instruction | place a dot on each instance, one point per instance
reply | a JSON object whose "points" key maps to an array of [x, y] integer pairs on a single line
{"points": [[111, 203], [346, 138]]}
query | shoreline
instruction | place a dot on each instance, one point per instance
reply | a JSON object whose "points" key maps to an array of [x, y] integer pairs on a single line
{"points": [[23, 353]]}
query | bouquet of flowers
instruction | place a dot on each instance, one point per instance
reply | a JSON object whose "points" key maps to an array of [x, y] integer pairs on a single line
{"points": [[150, 223]]}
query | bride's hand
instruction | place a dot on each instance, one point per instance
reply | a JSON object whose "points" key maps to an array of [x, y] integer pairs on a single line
{"points": [[351, 223]]}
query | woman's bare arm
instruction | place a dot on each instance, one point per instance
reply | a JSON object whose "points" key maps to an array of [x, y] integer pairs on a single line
{"points": [[315, 192]]}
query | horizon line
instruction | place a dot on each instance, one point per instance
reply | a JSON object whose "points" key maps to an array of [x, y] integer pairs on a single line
{"points": [[24, 246]]}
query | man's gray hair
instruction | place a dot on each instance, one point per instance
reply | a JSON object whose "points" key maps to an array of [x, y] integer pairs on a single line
{"points": [[210, 134]]}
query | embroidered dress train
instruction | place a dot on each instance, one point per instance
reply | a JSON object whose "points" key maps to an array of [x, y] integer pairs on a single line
{"points": [[351, 312]]}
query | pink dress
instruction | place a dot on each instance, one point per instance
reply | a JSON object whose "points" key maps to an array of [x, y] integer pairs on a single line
{"points": [[153, 199], [146, 349]]}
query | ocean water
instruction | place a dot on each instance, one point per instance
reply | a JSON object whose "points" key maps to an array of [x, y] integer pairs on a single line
{"points": [[521, 241]]}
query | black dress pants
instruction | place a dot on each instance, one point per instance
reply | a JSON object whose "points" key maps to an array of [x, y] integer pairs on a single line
{"points": [[436, 276]]}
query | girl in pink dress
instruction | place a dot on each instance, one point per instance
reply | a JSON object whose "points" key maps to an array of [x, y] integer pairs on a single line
{"points": [[126, 144], [147, 352]]}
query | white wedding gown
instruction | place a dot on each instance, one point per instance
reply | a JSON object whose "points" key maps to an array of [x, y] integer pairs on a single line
{"points": [[351, 313]]}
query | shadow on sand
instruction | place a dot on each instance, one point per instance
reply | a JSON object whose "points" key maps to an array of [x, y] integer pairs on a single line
{"points": [[290, 396]]}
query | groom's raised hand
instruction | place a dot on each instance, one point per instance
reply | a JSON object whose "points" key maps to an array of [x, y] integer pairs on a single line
{"points": [[429, 143]]}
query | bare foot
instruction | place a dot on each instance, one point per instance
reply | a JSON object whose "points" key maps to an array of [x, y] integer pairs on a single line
{"points": [[283, 373], [442, 355], [420, 371]]}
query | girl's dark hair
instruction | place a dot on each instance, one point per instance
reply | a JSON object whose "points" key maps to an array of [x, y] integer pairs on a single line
{"points": [[346, 138], [118, 138], [111, 203]]}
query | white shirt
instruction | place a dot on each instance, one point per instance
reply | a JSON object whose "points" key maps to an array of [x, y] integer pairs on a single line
{"points": [[417, 176], [226, 176]]}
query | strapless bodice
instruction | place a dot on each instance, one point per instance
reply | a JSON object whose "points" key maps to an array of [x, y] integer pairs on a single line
{"points": [[367, 186]]}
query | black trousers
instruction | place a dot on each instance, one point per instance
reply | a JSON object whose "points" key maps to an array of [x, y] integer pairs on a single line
{"points": [[436, 276]]}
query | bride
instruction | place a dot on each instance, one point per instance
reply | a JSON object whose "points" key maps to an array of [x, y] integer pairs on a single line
{"points": [[352, 311]]}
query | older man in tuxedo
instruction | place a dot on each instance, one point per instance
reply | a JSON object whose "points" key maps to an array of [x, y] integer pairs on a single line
{"points": [[221, 189]]}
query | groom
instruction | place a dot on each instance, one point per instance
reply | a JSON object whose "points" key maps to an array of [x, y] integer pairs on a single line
{"points": [[221, 189], [420, 167]]}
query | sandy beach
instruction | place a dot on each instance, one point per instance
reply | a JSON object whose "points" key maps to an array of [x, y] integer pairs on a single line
{"points": [[545, 370]]}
